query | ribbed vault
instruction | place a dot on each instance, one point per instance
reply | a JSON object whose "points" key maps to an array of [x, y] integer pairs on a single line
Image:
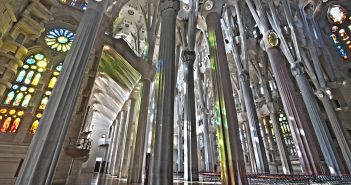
{"points": [[115, 81]]}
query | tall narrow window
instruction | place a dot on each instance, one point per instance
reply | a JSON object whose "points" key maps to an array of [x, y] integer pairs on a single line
{"points": [[340, 30], [45, 99], [20, 94]]}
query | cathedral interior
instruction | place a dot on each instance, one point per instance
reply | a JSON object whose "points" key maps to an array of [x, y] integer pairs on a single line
{"points": [[160, 92]]}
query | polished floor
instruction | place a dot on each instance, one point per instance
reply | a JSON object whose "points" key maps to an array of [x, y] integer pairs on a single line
{"points": [[100, 179]]}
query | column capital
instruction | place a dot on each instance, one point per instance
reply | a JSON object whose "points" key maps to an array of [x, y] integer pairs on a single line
{"points": [[244, 76], [188, 56], [170, 4], [298, 69], [270, 39], [212, 6]]}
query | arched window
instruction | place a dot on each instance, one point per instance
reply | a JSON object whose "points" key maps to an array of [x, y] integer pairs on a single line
{"points": [[284, 126], [340, 30], [45, 98], [59, 39], [21, 92]]}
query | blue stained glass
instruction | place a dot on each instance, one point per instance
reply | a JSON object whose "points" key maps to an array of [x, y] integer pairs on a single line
{"points": [[30, 60], [15, 87], [21, 76], [39, 56], [59, 68]]}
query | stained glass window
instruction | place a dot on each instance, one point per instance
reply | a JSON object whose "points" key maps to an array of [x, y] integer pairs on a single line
{"points": [[20, 94], [45, 99], [10, 119], [284, 125], [340, 30], [59, 39]]}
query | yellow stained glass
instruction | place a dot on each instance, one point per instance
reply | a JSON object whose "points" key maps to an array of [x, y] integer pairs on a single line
{"points": [[36, 79], [3, 111], [59, 39], [20, 113], [34, 127], [52, 82]]}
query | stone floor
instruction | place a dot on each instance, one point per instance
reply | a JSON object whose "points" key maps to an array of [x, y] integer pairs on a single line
{"points": [[100, 179]]}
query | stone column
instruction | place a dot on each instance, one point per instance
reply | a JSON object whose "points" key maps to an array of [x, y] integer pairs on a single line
{"points": [[121, 139], [300, 130], [298, 123], [45, 148], [113, 144], [127, 147], [191, 169], [267, 144], [162, 162], [256, 137], [230, 151], [180, 147], [319, 124], [272, 107], [136, 163], [204, 114], [250, 147]]}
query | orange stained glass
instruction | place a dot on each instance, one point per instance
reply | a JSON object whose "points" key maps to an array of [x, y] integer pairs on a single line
{"points": [[6, 125], [15, 125]]}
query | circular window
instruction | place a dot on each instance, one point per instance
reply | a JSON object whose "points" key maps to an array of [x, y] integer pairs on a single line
{"points": [[59, 39]]}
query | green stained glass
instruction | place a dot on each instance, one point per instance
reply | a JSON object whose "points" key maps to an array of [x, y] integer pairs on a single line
{"points": [[9, 98], [26, 100], [18, 99]]}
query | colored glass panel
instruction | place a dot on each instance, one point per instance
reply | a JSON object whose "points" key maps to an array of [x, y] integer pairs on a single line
{"points": [[9, 98], [21, 76], [34, 127], [18, 99], [6, 125], [43, 103], [29, 77], [15, 125], [36, 79], [45, 98], [59, 39], [52, 82], [26, 100]]}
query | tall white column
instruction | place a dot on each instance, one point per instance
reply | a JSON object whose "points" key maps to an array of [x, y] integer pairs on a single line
{"points": [[44, 151], [162, 162]]}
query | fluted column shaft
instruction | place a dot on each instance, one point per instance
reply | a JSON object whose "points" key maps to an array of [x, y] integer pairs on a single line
{"points": [[250, 147], [162, 163], [120, 141], [300, 130], [112, 147], [136, 163], [207, 144], [282, 149], [319, 124], [44, 151], [191, 169], [231, 155], [256, 137], [127, 148]]}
